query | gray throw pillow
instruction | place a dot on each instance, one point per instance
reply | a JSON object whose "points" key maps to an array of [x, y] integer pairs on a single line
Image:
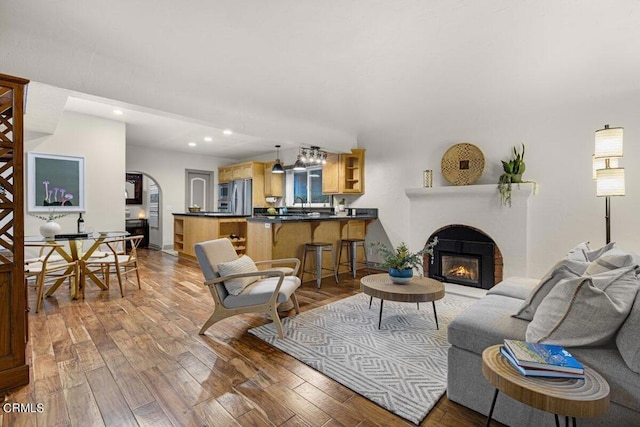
{"points": [[582, 252], [564, 269], [611, 260], [584, 311], [244, 264], [628, 338]]}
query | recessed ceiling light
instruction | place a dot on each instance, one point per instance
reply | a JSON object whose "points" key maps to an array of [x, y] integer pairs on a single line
{"points": [[118, 112], [227, 131], [208, 139], [192, 144]]}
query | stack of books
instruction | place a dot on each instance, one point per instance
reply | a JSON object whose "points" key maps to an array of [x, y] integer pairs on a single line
{"points": [[541, 360]]}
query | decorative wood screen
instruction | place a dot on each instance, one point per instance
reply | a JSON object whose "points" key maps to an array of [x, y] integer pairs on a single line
{"points": [[13, 320]]}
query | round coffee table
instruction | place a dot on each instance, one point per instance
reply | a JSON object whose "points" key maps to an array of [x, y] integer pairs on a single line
{"points": [[419, 289], [559, 396]]}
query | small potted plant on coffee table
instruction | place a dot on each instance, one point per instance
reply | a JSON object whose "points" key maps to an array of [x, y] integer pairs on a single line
{"points": [[401, 261]]}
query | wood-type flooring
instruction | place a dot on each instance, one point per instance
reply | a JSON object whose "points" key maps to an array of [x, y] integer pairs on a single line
{"points": [[139, 360]]}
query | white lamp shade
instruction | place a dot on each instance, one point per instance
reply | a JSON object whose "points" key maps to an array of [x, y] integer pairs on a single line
{"points": [[609, 142], [601, 163], [610, 182]]}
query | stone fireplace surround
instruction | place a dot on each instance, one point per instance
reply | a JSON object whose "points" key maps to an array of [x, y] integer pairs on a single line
{"points": [[476, 206]]}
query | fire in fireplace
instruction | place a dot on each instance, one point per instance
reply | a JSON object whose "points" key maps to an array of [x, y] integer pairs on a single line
{"points": [[461, 268], [466, 256]]}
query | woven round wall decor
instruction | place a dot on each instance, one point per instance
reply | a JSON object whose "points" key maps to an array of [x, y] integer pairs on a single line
{"points": [[462, 164]]}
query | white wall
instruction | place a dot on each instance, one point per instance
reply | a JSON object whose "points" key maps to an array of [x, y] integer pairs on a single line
{"points": [[168, 170], [102, 143], [559, 139]]}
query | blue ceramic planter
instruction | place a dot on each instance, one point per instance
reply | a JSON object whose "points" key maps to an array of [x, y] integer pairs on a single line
{"points": [[400, 276]]}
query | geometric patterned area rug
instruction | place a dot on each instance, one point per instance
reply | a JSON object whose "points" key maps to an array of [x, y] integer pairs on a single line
{"points": [[401, 367]]}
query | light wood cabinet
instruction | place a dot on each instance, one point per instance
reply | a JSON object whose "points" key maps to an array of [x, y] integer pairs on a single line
{"points": [[344, 173], [14, 370], [225, 174], [247, 170], [189, 230], [273, 182], [243, 171], [331, 174]]}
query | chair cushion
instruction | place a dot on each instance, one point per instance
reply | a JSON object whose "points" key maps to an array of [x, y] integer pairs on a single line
{"points": [[244, 264], [486, 323], [565, 269], [260, 291], [627, 339], [514, 287], [583, 310]]}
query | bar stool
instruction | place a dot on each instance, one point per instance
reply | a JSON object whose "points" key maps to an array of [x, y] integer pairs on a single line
{"points": [[319, 248], [352, 255]]}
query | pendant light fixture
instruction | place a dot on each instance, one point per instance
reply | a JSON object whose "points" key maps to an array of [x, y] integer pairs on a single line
{"points": [[310, 156], [277, 167], [299, 164]]}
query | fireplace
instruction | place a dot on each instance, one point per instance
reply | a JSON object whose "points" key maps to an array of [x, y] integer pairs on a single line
{"points": [[466, 256]]}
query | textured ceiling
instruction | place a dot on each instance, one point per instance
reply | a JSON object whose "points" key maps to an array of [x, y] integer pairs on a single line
{"points": [[324, 72]]}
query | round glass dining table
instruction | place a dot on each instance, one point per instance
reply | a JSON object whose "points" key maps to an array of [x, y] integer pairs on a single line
{"points": [[75, 253]]}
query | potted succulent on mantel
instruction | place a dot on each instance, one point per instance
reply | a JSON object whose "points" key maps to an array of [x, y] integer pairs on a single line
{"points": [[401, 262], [513, 170]]}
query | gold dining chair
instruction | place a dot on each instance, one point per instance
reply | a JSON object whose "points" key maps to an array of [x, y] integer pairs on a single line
{"points": [[117, 261], [49, 267]]}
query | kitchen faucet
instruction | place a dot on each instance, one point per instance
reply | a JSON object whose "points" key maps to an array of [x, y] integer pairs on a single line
{"points": [[301, 202]]}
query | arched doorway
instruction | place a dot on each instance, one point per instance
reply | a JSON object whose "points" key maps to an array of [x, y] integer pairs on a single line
{"points": [[150, 209]]}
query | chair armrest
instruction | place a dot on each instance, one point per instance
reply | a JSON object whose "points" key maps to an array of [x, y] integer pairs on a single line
{"points": [[272, 262]]}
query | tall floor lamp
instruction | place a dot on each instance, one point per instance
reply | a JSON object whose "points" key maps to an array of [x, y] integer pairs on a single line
{"points": [[609, 177]]}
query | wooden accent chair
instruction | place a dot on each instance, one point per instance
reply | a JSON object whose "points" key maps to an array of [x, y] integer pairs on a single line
{"points": [[117, 260], [273, 287], [49, 267]]}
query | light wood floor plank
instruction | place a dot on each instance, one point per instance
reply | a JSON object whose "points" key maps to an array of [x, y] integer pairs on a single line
{"points": [[307, 411], [343, 414], [151, 415], [55, 410], [178, 412], [274, 410], [82, 407], [113, 407], [213, 414]]}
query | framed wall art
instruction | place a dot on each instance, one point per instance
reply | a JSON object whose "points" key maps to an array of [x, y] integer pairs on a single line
{"points": [[133, 188], [55, 183]]}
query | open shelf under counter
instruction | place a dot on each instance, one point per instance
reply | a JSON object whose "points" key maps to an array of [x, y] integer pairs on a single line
{"points": [[192, 228]]}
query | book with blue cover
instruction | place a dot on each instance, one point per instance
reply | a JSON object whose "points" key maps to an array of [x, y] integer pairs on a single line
{"points": [[535, 372], [543, 356]]}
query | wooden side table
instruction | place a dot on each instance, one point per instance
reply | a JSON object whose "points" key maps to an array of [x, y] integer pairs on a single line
{"points": [[559, 396], [419, 289]]}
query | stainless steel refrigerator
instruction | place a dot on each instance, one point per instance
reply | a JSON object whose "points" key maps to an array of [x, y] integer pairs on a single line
{"points": [[241, 197]]}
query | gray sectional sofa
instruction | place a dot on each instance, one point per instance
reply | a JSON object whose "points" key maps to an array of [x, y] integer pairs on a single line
{"points": [[490, 321]]}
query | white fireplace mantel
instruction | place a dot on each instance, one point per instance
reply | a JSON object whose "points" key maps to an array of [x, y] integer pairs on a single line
{"points": [[476, 206]]}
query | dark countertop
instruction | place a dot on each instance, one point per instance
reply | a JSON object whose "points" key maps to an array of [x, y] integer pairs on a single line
{"points": [[210, 214], [307, 218], [294, 215]]}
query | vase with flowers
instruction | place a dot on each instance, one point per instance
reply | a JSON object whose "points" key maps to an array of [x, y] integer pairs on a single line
{"points": [[50, 228], [401, 261]]}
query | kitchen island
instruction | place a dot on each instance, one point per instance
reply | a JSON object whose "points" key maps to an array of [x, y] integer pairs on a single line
{"points": [[193, 227], [284, 236]]}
